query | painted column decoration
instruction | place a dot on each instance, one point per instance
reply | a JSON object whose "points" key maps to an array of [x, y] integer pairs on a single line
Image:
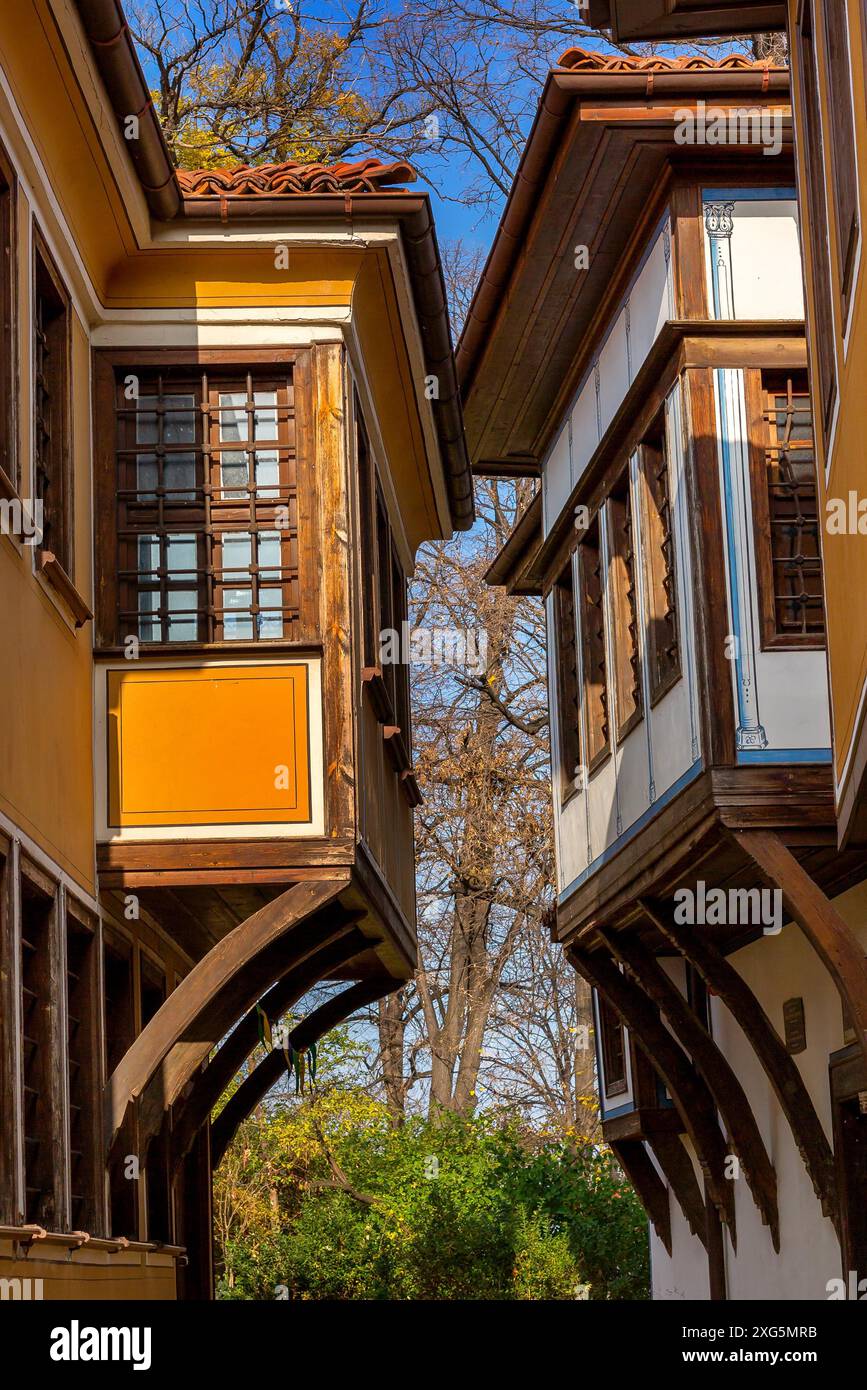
{"points": [[734, 451]]}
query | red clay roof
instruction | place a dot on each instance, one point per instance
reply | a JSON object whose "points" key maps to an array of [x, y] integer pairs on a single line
{"points": [[271, 180], [590, 60]]}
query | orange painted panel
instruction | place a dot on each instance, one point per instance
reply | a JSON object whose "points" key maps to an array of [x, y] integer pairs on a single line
{"points": [[208, 745]]}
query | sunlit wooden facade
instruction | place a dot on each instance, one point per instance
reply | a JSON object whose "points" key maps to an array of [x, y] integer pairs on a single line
{"points": [[229, 410], [646, 290]]}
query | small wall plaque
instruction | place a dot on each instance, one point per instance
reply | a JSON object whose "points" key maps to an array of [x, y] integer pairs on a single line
{"points": [[795, 1025]]}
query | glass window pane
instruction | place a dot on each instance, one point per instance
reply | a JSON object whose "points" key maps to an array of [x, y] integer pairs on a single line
{"points": [[271, 624], [179, 420], [146, 477], [269, 555], [233, 470], [181, 554], [267, 472], [146, 421], [149, 628], [148, 554], [236, 551], [233, 417], [183, 623], [265, 415], [179, 477]]}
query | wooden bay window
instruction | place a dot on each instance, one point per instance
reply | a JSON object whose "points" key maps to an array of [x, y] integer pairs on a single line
{"points": [[621, 569], [785, 509]]}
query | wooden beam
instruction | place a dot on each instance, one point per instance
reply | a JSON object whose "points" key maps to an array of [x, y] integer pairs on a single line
{"points": [[268, 1072], [729, 1094], [209, 1084], [779, 1067], [676, 1164], [649, 1187], [689, 1092], [215, 993], [830, 936]]}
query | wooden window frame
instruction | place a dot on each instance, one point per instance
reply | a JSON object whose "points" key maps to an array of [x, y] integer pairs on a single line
{"points": [[816, 225], [52, 440], [623, 598], [757, 387], [10, 471], [42, 985], [844, 158], [570, 744], [611, 1028], [594, 655], [219, 367], [84, 1070], [659, 563], [123, 1201]]}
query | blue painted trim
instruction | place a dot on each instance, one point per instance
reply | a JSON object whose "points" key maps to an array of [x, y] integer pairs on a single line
{"points": [[643, 820], [784, 755], [749, 195], [626, 1109]]}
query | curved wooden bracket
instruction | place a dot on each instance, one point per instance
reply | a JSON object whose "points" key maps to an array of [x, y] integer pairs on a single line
{"points": [[731, 1099], [676, 1164], [650, 1189], [831, 937], [207, 1085], [690, 1093], [217, 991], [793, 1097], [270, 1069]]}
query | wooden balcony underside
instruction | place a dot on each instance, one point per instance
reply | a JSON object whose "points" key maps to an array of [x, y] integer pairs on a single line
{"points": [[695, 837]]}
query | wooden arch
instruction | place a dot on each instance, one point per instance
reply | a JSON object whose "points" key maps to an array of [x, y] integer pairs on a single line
{"points": [[270, 1069], [728, 1093], [206, 1087], [691, 1095], [218, 990], [779, 1067]]}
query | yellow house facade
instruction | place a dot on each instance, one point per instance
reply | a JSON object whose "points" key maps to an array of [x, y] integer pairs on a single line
{"points": [[228, 419]]}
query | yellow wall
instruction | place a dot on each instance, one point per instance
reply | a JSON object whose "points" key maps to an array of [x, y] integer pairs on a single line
{"points": [[46, 762], [845, 557]]}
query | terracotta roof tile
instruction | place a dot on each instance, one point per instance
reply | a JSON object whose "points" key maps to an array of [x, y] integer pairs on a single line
{"points": [[271, 180], [590, 60]]}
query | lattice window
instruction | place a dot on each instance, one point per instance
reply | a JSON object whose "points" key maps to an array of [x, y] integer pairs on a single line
{"points": [[8, 441], [593, 648], [621, 567], [663, 644], [39, 1058], [568, 688], [207, 518], [787, 521], [81, 1017], [51, 407], [612, 1048]]}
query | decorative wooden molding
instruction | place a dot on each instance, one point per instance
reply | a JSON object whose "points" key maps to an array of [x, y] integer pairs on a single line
{"points": [[373, 682], [208, 1001], [690, 1093], [728, 1093], [782, 1073], [650, 1189], [830, 936], [54, 573], [269, 1070]]}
